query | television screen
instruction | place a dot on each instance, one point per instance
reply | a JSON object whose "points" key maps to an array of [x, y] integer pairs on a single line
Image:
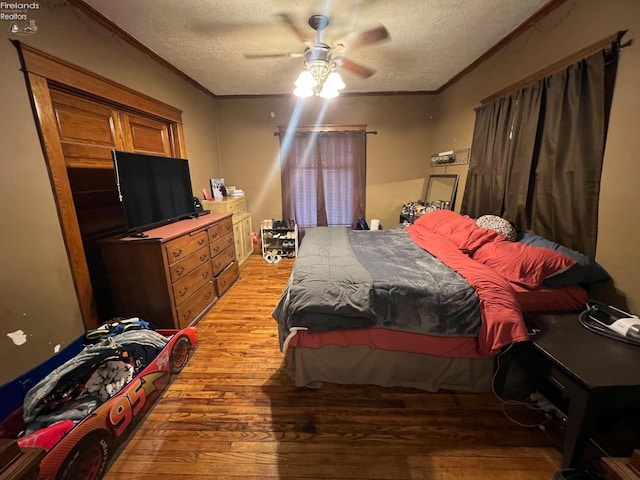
{"points": [[153, 190]]}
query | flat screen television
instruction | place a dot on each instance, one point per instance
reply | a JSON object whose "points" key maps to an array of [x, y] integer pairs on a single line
{"points": [[153, 190]]}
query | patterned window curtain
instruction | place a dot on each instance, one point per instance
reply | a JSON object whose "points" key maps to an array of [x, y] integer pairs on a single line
{"points": [[323, 177], [536, 154]]}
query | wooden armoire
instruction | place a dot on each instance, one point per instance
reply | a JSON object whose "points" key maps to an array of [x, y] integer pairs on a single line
{"points": [[82, 117]]}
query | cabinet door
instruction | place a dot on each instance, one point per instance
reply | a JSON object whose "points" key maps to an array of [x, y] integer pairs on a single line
{"points": [[237, 237], [146, 135], [247, 237]]}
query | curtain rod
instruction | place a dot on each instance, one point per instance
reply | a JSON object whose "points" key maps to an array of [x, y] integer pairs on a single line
{"points": [[612, 41], [338, 132]]}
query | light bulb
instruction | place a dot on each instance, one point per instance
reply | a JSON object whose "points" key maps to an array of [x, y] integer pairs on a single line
{"points": [[306, 80], [334, 81], [328, 92], [303, 92]]}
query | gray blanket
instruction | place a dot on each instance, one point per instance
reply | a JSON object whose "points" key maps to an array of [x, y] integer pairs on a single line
{"points": [[353, 279]]}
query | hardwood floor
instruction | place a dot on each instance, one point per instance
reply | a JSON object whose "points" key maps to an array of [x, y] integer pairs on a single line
{"points": [[233, 413]]}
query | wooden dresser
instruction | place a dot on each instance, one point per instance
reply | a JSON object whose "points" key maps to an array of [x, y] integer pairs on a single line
{"points": [[241, 223], [172, 277]]}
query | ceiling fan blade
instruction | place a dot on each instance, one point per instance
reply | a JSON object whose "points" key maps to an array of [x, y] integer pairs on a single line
{"points": [[365, 37], [292, 25], [252, 56], [356, 68]]}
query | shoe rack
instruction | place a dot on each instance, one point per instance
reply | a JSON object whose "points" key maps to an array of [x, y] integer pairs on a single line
{"points": [[279, 239]]}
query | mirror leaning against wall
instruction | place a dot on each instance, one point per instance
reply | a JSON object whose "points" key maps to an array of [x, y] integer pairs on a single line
{"points": [[441, 191]]}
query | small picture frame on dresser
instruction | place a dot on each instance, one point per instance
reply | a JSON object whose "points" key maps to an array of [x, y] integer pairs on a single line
{"points": [[218, 189]]}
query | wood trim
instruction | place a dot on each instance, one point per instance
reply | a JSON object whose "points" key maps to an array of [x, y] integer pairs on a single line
{"points": [[557, 66], [523, 27], [178, 146], [69, 75], [100, 19], [49, 137]]}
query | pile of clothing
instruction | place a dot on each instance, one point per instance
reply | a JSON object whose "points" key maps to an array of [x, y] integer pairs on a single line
{"points": [[115, 354]]}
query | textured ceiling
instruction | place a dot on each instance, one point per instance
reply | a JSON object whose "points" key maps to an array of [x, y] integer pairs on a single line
{"points": [[430, 40]]}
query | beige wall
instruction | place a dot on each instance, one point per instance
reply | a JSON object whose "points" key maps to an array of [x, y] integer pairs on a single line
{"points": [[397, 157], [572, 27], [36, 288]]}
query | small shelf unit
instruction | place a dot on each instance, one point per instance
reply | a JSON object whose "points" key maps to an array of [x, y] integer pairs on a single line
{"points": [[279, 239]]}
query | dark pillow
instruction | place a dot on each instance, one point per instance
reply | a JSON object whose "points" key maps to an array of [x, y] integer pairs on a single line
{"points": [[522, 264], [584, 272]]}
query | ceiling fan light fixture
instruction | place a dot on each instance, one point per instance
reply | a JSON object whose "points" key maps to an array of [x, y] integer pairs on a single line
{"points": [[334, 81], [306, 80], [303, 92], [328, 92], [319, 77]]}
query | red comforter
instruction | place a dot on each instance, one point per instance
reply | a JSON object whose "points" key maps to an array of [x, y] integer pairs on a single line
{"points": [[452, 238]]}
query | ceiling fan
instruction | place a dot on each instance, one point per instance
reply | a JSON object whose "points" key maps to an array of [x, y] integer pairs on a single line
{"points": [[319, 51]]}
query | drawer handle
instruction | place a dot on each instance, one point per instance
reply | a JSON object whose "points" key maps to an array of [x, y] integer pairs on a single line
{"points": [[180, 270], [214, 234], [183, 291], [203, 257], [208, 295], [201, 242], [177, 253], [216, 248], [186, 314], [205, 274], [217, 265]]}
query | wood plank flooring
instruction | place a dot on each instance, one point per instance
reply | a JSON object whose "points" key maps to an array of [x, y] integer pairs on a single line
{"points": [[233, 413]]}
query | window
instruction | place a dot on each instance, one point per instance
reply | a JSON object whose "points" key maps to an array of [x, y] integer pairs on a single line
{"points": [[323, 175]]}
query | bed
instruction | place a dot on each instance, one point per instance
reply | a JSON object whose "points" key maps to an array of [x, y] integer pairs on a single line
{"points": [[427, 307]]}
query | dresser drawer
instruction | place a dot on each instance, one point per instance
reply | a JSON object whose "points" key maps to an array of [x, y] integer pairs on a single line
{"points": [[181, 268], [219, 245], [187, 286], [181, 247], [220, 229], [237, 208], [196, 304], [227, 278], [223, 259]]}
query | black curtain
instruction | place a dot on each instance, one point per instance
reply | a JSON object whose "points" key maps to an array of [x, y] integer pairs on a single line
{"points": [[536, 154]]}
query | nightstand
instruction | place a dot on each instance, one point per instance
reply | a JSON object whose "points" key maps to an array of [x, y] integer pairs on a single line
{"points": [[592, 372]]}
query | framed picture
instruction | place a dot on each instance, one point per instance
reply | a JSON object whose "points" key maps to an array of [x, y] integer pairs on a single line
{"points": [[218, 190]]}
